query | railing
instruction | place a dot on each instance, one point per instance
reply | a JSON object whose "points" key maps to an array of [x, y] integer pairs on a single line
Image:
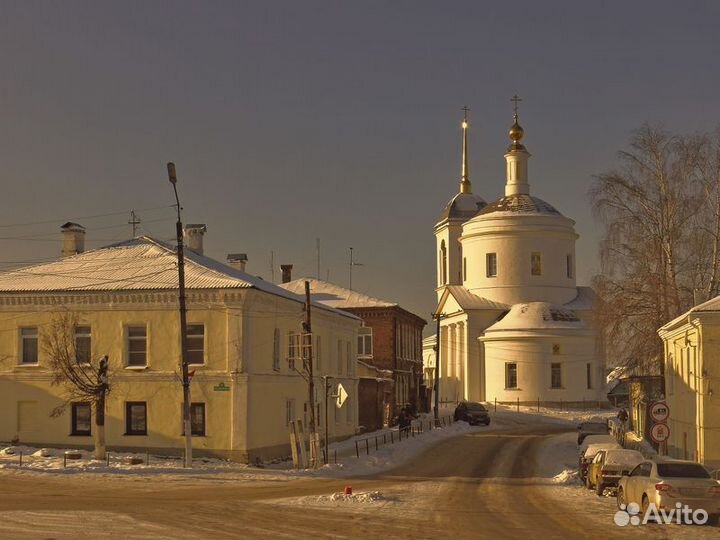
{"points": [[417, 428]]}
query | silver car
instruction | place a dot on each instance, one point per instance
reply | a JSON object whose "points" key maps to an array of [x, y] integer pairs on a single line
{"points": [[666, 483]]}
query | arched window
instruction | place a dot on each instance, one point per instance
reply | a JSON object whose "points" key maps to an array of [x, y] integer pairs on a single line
{"points": [[443, 263]]}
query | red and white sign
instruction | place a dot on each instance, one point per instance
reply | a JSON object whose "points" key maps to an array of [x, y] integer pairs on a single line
{"points": [[659, 411], [660, 433]]}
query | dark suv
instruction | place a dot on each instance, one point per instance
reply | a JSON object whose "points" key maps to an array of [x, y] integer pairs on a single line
{"points": [[472, 412]]}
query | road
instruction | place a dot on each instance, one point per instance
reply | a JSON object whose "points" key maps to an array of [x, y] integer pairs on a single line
{"points": [[479, 485]]}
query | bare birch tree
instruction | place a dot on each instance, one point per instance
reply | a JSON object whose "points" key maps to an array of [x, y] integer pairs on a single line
{"points": [[652, 257], [82, 377]]}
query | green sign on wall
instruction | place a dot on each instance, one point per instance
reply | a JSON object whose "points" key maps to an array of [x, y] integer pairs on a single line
{"points": [[222, 387]]}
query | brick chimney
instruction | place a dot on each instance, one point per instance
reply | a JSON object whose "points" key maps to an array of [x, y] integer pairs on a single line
{"points": [[73, 239], [237, 261], [286, 272], [194, 233]]}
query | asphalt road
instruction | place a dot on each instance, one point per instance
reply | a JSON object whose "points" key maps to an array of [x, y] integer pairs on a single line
{"points": [[479, 485]]}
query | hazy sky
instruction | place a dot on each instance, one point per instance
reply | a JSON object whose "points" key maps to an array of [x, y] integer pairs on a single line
{"points": [[294, 120]]}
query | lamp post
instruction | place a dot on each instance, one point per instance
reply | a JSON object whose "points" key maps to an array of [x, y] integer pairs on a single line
{"points": [[183, 322]]}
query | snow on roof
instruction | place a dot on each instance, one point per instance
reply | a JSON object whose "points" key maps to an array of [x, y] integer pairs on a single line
{"points": [[708, 306], [142, 263], [538, 315], [334, 295], [468, 300]]}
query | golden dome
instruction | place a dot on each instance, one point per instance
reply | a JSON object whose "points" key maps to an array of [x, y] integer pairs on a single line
{"points": [[516, 132]]}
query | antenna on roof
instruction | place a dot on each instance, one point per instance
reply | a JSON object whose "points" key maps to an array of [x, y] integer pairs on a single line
{"points": [[317, 248], [352, 263], [134, 221]]}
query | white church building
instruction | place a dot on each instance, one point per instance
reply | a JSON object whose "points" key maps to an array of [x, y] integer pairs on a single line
{"points": [[514, 324]]}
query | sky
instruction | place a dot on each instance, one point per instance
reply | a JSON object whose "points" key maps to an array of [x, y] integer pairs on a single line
{"points": [[292, 121]]}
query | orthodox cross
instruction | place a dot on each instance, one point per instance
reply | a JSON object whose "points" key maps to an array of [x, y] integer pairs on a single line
{"points": [[515, 100]]}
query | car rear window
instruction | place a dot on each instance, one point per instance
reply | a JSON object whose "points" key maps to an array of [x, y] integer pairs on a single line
{"points": [[682, 470], [475, 407]]}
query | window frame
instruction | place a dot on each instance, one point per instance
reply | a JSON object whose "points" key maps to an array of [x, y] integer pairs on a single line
{"points": [[491, 270], [77, 335], [194, 406], [553, 367], [508, 386], [189, 337], [74, 431], [23, 338], [129, 431], [365, 335], [277, 346], [588, 375], [129, 338]]}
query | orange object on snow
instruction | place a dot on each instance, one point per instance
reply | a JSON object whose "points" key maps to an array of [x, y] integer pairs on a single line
{"points": [[348, 490]]}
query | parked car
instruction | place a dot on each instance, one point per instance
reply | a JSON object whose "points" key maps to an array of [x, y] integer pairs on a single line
{"points": [[608, 467], [591, 428], [472, 412], [589, 454], [716, 475], [668, 481], [596, 439]]}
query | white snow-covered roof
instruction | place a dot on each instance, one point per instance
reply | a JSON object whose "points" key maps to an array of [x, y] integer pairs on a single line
{"points": [[468, 300], [335, 295], [538, 316], [708, 306], [142, 263]]}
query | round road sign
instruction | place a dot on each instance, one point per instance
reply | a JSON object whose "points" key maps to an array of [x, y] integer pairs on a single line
{"points": [[660, 433], [659, 411]]}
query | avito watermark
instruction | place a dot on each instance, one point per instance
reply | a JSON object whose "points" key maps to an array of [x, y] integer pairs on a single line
{"points": [[682, 514]]}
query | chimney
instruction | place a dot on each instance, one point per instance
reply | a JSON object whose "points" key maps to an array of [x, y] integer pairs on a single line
{"points": [[194, 233], [286, 272], [237, 261], [73, 239]]}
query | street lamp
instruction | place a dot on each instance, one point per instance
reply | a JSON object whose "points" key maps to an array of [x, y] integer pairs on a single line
{"points": [[172, 176]]}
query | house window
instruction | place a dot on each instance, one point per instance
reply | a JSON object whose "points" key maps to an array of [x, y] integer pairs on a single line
{"points": [[339, 357], [491, 264], [536, 263], [197, 419], [556, 348], [276, 350], [136, 345], [569, 263], [365, 342], [348, 358], [135, 418], [195, 343], [556, 375], [29, 345], [82, 344], [81, 418], [289, 411], [588, 375], [511, 375]]}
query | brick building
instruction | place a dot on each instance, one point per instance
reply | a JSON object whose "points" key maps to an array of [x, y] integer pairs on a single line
{"points": [[389, 351]]}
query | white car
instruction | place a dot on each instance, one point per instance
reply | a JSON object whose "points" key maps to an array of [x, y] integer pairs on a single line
{"points": [[666, 483]]}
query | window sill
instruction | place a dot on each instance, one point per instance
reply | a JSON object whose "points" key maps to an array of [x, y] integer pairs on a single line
{"points": [[136, 368], [197, 365], [135, 434], [515, 389], [28, 365], [81, 435]]}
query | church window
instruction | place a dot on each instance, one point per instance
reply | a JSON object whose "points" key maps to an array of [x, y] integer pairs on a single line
{"points": [[556, 375], [443, 263], [569, 264], [588, 375], [511, 375], [536, 263], [491, 264], [464, 268]]}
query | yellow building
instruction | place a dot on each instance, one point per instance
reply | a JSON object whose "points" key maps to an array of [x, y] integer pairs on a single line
{"points": [[125, 300], [692, 383]]}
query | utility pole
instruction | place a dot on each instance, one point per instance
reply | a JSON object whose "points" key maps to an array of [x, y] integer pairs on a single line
{"points": [[183, 322], [327, 386], [307, 328], [134, 221]]}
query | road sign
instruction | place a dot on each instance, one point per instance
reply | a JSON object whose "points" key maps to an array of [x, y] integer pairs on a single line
{"points": [[659, 411], [660, 433], [342, 395]]}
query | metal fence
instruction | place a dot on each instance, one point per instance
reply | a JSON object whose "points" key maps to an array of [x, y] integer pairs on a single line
{"points": [[417, 428]]}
